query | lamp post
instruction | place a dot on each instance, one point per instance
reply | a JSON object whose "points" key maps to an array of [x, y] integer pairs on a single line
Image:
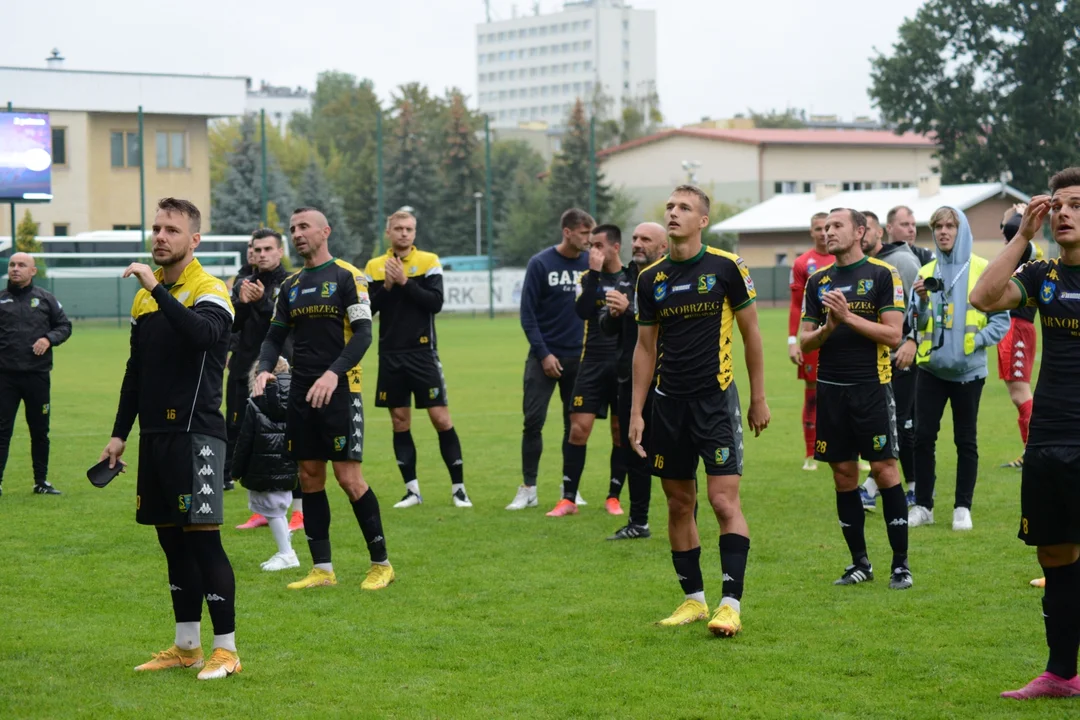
{"points": [[478, 196]]}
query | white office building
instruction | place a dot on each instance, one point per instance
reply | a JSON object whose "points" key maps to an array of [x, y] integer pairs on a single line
{"points": [[533, 68]]}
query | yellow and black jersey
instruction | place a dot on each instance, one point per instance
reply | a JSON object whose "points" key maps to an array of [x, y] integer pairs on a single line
{"points": [[179, 339], [592, 290], [694, 303], [872, 288], [318, 305], [1053, 288], [407, 320]]}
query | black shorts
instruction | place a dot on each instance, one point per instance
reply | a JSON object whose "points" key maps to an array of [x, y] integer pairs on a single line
{"points": [[1050, 496], [180, 480], [596, 388], [856, 420], [412, 373], [708, 427], [333, 432]]}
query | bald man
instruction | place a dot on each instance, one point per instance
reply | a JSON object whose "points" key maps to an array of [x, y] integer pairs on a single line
{"points": [[32, 322], [617, 318]]}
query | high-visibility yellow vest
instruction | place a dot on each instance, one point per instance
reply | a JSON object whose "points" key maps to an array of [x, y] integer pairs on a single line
{"points": [[974, 321]]}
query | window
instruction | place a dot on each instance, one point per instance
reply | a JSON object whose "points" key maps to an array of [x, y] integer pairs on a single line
{"points": [[543, 50], [534, 92], [588, 86], [502, 75], [565, 68], [502, 94], [480, 40], [566, 89], [513, 113], [807, 187], [60, 229], [588, 65], [513, 94], [626, 46], [171, 150], [566, 47], [576, 46], [577, 88], [575, 26], [577, 67], [544, 91], [491, 37], [532, 32], [513, 55], [565, 27], [543, 31], [502, 36], [587, 45], [532, 72], [626, 65], [59, 146], [587, 24], [543, 71], [532, 52], [553, 29], [127, 227], [480, 59], [502, 55], [502, 114], [554, 49], [626, 25], [124, 149], [512, 74]]}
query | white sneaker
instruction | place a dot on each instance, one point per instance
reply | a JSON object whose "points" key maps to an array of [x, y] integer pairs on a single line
{"points": [[580, 500], [918, 515], [961, 519], [461, 498], [525, 498], [281, 561], [409, 500]]}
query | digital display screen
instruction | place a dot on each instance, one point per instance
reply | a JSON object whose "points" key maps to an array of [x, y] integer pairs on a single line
{"points": [[25, 157]]}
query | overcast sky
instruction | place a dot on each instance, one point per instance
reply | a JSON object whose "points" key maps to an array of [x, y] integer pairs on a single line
{"points": [[715, 57]]}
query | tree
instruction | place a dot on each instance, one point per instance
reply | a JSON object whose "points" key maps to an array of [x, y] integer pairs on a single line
{"points": [[788, 119], [411, 175], [315, 191], [997, 83], [528, 227], [237, 200], [462, 175], [569, 182], [26, 240]]}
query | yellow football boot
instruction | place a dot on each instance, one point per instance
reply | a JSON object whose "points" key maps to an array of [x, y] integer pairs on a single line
{"points": [[174, 657], [316, 578], [725, 622], [689, 612], [378, 577], [222, 664]]}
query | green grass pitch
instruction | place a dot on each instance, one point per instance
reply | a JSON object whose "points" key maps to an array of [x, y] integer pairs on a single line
{"points": [[513, 614]]}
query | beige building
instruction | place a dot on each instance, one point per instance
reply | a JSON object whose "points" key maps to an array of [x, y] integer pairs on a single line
{"points": [[95, 142], [776, 231], [744, 167]]}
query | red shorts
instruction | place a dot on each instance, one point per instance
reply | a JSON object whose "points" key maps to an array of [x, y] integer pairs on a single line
{"points": [[1016, 353], [808, 369]]}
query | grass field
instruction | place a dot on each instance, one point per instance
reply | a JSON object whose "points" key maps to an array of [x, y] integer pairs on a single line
{"points": [[500, 614]]}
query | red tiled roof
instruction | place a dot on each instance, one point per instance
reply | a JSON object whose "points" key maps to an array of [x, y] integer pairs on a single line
{"points": [[770, 136]]}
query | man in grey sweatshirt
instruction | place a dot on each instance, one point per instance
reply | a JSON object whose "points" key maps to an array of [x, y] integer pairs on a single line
{"points": [[952, 337]]}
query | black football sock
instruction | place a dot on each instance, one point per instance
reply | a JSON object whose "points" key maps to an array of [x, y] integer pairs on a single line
{"points": [[640, 482], [1061, 616], [894, 510], [185, 580], [688, 569], [618, 472], [573, 466], [367, 514], [317, 526], [450, 447], [852, 521], [405, 452], [218, 581], [733, 552]]}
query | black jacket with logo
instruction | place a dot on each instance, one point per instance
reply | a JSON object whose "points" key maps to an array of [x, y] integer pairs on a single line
{"points": [[623, 327], [252, 320], [26, 315], [261, 460]]}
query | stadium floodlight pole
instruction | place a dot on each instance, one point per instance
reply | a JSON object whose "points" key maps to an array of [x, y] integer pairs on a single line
{"points": [[379, 214], [490, 217], [11, 251], [265, 203], [478, 196], [592, 165], [142, 182]]}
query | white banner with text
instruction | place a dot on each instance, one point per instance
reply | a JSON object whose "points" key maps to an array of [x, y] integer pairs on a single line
{"points": [[467, 291]]}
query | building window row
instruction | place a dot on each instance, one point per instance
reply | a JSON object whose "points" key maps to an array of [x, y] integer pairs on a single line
{"points": [[539, 31], [124, 151], [535, 92], [534, 72], [549, 112], [540, 51], [785, 187]]}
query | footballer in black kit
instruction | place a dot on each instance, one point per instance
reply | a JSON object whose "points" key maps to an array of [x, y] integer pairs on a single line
{"points": [[853, 311], [406, 286], [326, 309], [687, 305], [1050, 485]]}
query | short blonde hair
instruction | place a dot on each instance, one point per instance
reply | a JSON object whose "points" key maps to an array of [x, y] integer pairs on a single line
{"points": [[281, 367], [944, 213], [399, 215]]}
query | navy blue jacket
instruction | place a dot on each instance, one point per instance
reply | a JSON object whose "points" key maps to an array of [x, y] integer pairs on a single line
{"points": [[548, 316]]}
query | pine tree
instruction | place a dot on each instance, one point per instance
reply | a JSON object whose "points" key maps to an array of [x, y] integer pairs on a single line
{"points": [[315, 191], [569, 182], [462, 176], [411, 174], [236, 203], [26, 240]]}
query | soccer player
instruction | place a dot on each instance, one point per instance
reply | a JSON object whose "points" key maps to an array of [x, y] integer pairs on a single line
{"points": [[617, 318], [253, 297], [554, 331], [686, 302], [854, 313], [406, 286], [1049, 490], [804, 266], [326, 308], [180, 323], [596, 387], [898, 254], [1016, 352], [32, 322]]}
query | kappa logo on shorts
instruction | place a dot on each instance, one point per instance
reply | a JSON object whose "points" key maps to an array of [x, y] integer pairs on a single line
{"points": [[880, 441], [205, 490], [358, 418], [433, 393], [205, 470], [722, 455], [340, 442], [328, 289], [184, 503], [204, 509], [864, 287], [358, 448], [705, 283], [356, 403], [205, 451]]}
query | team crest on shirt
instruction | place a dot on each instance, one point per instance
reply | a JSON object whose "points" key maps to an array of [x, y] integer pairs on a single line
{"points": [[660, 291], [34, 302], [183, 502], [879, 442], [705, 283], [293, 292], [811, 267], [822, 289], [722, 455], [328, 289], [864, 287], [1046, 292], [339, 443]]}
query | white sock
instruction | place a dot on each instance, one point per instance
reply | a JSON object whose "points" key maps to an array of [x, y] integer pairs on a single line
{"points": [[732, 602], [871, 486], [328, 567], [385, 562], [298, 504], [699, 596], [279, 527], [187, 635], [226, 641], [454, 487], [413, 486]]}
